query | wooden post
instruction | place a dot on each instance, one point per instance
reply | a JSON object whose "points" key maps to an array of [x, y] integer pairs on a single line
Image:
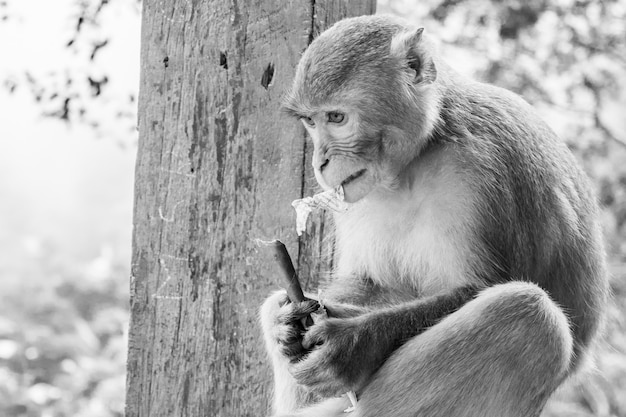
{"points": [[217, 167]]}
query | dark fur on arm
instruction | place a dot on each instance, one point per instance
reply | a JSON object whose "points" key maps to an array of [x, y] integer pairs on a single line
{"points": [[355, 348], [412, 318]]}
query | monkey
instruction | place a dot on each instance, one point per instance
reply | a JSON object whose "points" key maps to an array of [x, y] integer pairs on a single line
{"points": [[470, 275]]}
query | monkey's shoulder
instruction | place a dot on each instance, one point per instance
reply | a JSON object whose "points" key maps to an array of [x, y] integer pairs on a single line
{"points": [[499, 131], [490, 111]]}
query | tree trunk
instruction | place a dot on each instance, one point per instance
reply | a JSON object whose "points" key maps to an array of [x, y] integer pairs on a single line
{"points": [[217, 167]]}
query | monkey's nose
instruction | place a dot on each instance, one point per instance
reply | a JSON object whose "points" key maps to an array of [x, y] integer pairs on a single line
{"points": [[324, 164]]}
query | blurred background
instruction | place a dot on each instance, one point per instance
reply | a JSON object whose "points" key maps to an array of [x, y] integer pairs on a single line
{"points": [[69, 73]]}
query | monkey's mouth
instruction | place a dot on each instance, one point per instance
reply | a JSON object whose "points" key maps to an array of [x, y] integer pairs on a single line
{"points": [[353, 177]]}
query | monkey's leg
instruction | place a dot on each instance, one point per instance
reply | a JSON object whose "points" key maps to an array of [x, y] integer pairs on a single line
{"points": [[501, 355]]}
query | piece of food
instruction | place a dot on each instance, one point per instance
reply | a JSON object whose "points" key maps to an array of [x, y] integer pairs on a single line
{"points": [[327, 200], [352, 397]]}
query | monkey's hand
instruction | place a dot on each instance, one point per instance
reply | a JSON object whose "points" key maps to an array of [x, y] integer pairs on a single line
{"points": [[283, 324], [345, 353]]}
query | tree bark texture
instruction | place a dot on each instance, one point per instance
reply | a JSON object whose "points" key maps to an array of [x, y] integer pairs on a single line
{"points": [[217, 167]]}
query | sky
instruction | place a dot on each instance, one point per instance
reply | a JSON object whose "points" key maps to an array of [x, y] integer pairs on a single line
{"points": [[65, 188]]}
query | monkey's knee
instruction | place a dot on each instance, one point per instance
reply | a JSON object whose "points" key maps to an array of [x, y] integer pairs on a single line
{"points": [[529, 344], [502, 354], [534, 325]]}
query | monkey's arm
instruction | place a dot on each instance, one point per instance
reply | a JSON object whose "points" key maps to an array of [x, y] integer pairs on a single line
{"points": [[346, 352], [412, 318]]}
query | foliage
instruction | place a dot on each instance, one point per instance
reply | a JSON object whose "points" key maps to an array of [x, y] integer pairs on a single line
{"points": [[63, 338], [81, 83]]}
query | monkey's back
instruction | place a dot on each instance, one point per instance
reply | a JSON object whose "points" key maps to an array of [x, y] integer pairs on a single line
{"points": [[535, 190]]}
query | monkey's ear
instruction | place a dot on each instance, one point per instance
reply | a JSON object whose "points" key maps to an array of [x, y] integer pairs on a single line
{"points": [[409, 47]]}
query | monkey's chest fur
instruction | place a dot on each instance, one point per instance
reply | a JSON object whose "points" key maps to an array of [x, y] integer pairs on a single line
{"points": [[420, 236]]}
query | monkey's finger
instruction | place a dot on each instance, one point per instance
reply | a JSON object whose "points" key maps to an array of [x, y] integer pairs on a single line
{"points": [[316, 375], [288, 334], [315, 336], [305, 308], [295, 312], [309, 371], [293, 351], [284, 299]]}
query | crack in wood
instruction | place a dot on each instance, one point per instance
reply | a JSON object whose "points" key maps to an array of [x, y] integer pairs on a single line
{"points": [[268, 75]]}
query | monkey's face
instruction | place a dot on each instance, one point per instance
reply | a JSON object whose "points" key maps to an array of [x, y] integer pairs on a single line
{"points": [[364, 93], [347, 153]]}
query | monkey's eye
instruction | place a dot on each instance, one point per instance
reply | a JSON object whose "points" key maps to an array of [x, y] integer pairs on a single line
{"points": [[335, 117], [308, 120]]}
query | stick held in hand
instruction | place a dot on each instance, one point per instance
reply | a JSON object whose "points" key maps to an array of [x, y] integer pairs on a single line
{"points": [[288, 272], [289, 275]]}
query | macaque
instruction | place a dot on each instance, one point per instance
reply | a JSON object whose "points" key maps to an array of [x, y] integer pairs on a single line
{"points": [[470, 277]]}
